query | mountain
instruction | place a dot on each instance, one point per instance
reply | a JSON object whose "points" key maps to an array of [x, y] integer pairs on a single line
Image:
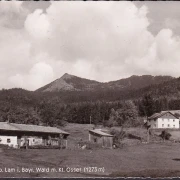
{"points": [[137, 82], [73, 83], [69, 83], [75, 99]]}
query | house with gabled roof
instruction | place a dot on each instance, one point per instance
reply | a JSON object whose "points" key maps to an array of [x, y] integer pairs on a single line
{"points": [[18, 135], [176, 112], [164, 119]]}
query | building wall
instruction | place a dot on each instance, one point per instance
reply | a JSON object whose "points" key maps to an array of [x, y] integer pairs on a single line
{"points": [[154, 123], [9, 140], [105, 141], [167, 123], [95, 138], [32, 141]]}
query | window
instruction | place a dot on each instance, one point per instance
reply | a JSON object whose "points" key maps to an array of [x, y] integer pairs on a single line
{"points": [[0, 140], [8, 140], [162, 125], [168, 125], [173, 120], [154, 125], [174, 126]]}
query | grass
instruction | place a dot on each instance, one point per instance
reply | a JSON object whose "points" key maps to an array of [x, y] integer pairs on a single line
{"points": [[77, 132], [138, 160], [143, 160]]}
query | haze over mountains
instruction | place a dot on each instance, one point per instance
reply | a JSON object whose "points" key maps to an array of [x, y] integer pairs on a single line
{"points": [[73, 83]]}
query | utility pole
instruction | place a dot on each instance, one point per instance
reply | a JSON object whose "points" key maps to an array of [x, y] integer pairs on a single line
{"points": [[148, 129], [148, 135], [90, 119]]}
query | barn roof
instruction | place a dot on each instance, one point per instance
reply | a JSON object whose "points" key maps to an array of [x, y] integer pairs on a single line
{"points": [[158, 115], [100, 132], [30, 128], [7, 126]]}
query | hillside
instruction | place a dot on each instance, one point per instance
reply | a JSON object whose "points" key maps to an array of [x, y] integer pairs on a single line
{"points": [[73, 83], [137, 82], [69, 83], [86, 98]]}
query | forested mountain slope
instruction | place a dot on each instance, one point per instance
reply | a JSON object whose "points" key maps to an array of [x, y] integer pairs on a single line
{"points": [[55, 108]]}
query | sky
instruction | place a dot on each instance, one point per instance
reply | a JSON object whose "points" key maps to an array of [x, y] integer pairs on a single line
{"points": [[103, 41]]}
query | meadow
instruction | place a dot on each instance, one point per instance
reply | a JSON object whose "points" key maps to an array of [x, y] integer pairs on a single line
{"points": [[156, 159], [145, 160]]}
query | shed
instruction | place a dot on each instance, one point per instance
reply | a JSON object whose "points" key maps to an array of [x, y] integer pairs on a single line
{"points": [[99, 136]]}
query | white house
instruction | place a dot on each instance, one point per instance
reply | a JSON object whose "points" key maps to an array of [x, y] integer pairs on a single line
{"points": [[164, 120], [17, 135]]}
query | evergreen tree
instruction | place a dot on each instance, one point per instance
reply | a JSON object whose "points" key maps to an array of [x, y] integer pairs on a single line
{"points": [[147, 105]]}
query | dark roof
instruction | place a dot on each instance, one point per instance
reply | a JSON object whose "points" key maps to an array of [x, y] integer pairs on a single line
{"points": [[31, 128], [173, 111], [158, 115], [100, 132]]}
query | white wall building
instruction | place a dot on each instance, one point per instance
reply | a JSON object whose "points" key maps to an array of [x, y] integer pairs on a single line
{"points": [[9, 140], [164, 120], [19, 135]]}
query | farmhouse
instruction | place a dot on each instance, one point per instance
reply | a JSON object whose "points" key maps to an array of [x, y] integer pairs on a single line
{"points": [[18, 135], [100, 137], [164, 119]]}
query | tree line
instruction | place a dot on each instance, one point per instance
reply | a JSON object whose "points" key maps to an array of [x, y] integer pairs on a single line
{"points": [[20, 106]]}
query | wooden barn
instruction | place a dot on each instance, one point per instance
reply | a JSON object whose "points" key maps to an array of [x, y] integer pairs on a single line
{"points": [[20, 135], [101, 137]]}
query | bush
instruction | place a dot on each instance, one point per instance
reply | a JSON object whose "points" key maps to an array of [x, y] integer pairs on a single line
{"points": [[132, 136], [110, 123], [118, 136], [165, 135]]}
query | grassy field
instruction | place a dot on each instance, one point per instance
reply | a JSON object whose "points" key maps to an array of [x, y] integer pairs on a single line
{"points": [[160, 159], [77, 132], [144, 160]]}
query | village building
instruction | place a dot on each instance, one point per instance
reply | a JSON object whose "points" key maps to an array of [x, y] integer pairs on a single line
{"points": [[164, 119], [101, 137], [19, 135]]}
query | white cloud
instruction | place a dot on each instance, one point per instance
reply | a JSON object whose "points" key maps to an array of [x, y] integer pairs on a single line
{"points": [[40, 74], [17, 80], [102, 41], [37, 24]]}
